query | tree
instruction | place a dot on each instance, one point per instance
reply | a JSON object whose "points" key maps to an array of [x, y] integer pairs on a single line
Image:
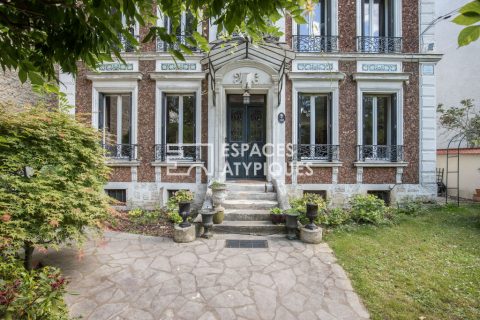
{"points": [[52, 173], [469, 16], [462, 120], [36, 35]]}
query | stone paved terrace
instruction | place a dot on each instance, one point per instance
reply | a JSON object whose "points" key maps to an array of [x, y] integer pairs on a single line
{"points": [[137, 277]]}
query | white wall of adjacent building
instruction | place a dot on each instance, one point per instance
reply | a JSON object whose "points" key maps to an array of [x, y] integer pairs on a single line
{"points": [[458, 73]]}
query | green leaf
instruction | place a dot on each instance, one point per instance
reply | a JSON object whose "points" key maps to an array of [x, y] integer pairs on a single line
{"points": [[473, 6], [467, 19], [22, 75], [468, 35], [299, 19], [35, 78]]}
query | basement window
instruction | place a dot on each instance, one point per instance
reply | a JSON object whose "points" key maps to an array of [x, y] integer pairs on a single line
{"points": [[118, 194], [381, 194]]}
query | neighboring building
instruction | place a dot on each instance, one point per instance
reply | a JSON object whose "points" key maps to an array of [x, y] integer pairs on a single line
{"points": [[468, 177], [15, 92], [350, 94], [458, 73]]}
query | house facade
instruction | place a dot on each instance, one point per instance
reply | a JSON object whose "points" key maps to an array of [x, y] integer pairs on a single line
{"points": [[342, 105]]}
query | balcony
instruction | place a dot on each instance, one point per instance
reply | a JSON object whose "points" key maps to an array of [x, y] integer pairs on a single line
{"points": [[127, 46], [379, 44], [177, 152], [181, 39], [121, 151], [316, 152], [382, 153], [311, 43]]}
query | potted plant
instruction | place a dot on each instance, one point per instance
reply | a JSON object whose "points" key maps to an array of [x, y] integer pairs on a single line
{"points": [[184, 199], [277, 216], [291, 223], [219, 192]]}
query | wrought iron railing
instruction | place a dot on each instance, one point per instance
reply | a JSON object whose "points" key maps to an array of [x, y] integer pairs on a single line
{"points": [[177, 152], [307, 43], [309, 152], [390, 153], [379, 44], [121, 151], [181, 39], [127, 46]]}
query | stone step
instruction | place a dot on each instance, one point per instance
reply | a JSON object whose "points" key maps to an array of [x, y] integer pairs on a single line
{"points": [[245, 186], [247, 215], [248, 227], [251, 195], [250, 204]]}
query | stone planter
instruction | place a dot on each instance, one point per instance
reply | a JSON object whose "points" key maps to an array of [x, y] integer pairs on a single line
{"points": [[277, 218], [291, 223], [218, 216], [207, 221], [219, 194], [184, 212]]}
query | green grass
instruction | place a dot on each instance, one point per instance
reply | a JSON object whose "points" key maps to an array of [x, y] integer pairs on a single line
{"points": [[422, 267]]}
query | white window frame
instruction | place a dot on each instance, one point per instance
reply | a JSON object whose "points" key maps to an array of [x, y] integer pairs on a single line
{"points": [[161, 18], [313, 115], [374, 118], [397, 13], [116, 87], [180, 119], [119, 114], [172, 87], [334, 16]]}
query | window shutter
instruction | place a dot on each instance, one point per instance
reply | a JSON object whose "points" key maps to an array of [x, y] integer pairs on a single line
{"points": [[330, 118], [394, 119], [101, 109], [163, 137], [130, 125]]}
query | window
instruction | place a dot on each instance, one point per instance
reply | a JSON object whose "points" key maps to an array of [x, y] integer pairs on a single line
{"points": [[179, 123], [379, 134], [185, 29], [381, 194], [316, 34], [118, 194], [114, 122], [378, 27], [315, 127]]}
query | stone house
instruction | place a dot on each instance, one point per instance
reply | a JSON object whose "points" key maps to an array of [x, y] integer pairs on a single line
{"points": [[342, 105]]}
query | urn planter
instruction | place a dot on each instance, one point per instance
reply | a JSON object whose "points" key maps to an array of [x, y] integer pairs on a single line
{"points": [[184, 212], [291, 224], [277, 218], [312, 213], [207, 221], [219, 193]]}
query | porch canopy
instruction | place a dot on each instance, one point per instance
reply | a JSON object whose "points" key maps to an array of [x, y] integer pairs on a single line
{"points": [[270, 52]]}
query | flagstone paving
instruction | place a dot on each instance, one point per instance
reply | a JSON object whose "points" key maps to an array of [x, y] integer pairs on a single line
{"points": [[137, 277]]}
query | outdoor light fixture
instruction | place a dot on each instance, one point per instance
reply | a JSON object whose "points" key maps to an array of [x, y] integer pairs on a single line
{"points": [[246, 97]]}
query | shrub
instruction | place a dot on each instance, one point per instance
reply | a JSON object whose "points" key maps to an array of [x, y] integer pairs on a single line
{"points": [[368, 209], [336, 216], [36, 294], [135, 213], [409, 206], [61, 194]]}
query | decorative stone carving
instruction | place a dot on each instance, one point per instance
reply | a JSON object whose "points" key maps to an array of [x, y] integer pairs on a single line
{"points": [[323, 66], [359, 175], [399, 175], [379, 67], [245, 79], [109, 67]]}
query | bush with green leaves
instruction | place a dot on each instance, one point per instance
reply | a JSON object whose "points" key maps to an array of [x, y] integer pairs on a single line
{"points": [[276, 210], [35, 294], [410, 206], [335, 217], [52, 173], [368, 209]]}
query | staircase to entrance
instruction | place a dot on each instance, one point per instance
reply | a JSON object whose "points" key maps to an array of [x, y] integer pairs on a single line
{"points": [[247, 209]]}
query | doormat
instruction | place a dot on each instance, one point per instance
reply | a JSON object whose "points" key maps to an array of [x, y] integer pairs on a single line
{"points": [[252, 244]]}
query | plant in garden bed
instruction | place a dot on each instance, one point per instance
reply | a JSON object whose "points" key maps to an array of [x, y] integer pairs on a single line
{"points": [[181, 196], [369, 209], [300, 205]]}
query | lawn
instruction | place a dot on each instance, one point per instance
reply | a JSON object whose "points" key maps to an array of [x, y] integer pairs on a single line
{"points": [[422, 267]]}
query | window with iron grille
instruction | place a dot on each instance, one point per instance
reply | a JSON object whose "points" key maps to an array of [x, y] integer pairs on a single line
{"points": [[381, 194], [117, 194]]}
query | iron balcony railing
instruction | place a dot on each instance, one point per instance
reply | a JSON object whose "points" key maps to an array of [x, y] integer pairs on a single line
{"points": [[379, 44], [312, 152], [121, 151], [390, 153], [181, 39], [311, 43], [127, 46], [177, 152]]}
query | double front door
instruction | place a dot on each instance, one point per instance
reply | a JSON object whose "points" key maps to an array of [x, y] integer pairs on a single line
{"points": [[246, 136]]}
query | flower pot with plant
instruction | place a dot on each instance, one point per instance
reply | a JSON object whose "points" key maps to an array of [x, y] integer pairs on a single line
{"points": [[277, 216], [184, 199], [291, 223]]}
